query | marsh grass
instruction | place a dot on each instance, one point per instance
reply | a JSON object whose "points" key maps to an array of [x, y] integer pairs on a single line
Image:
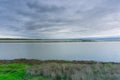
{"points": [[71, 71], [58, 70]]}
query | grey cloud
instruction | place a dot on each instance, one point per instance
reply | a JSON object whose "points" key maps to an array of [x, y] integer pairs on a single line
{"points": [[43, 8], [37, 25], [35, 18], [40, 15], [92, 18]]}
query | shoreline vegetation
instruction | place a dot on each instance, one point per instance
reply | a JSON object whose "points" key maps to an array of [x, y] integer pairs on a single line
{"points": [[23, 40], [31, 69], [36, 61]]}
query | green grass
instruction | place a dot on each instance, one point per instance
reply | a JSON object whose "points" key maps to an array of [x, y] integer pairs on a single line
{"points": [[16, 71], [12, 71]]}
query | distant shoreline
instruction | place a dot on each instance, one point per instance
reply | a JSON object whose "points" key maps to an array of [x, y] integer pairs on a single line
{"points": [[49, 40], [42, 41], [36, 61], [13, 40]]}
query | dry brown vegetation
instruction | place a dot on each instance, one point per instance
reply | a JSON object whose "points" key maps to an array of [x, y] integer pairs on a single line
{"points": [[71, 71]]}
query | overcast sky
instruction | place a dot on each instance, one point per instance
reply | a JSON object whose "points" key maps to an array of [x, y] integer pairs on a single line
{"points": [[59, 18]]}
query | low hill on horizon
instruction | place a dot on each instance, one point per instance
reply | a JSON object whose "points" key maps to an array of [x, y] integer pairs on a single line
{"points": [[65, 39]]}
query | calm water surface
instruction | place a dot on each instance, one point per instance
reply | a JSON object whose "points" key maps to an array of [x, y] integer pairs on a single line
{"points": [[98, 51]]}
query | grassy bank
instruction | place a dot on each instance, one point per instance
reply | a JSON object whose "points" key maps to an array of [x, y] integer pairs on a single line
{"points": [[58, 70]]}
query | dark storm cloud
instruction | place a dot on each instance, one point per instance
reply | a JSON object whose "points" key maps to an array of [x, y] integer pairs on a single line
{"points": [[59, 18], [40, 15]]}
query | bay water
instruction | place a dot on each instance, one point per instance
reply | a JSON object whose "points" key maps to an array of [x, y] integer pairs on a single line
{"points": [[97, 51]]}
